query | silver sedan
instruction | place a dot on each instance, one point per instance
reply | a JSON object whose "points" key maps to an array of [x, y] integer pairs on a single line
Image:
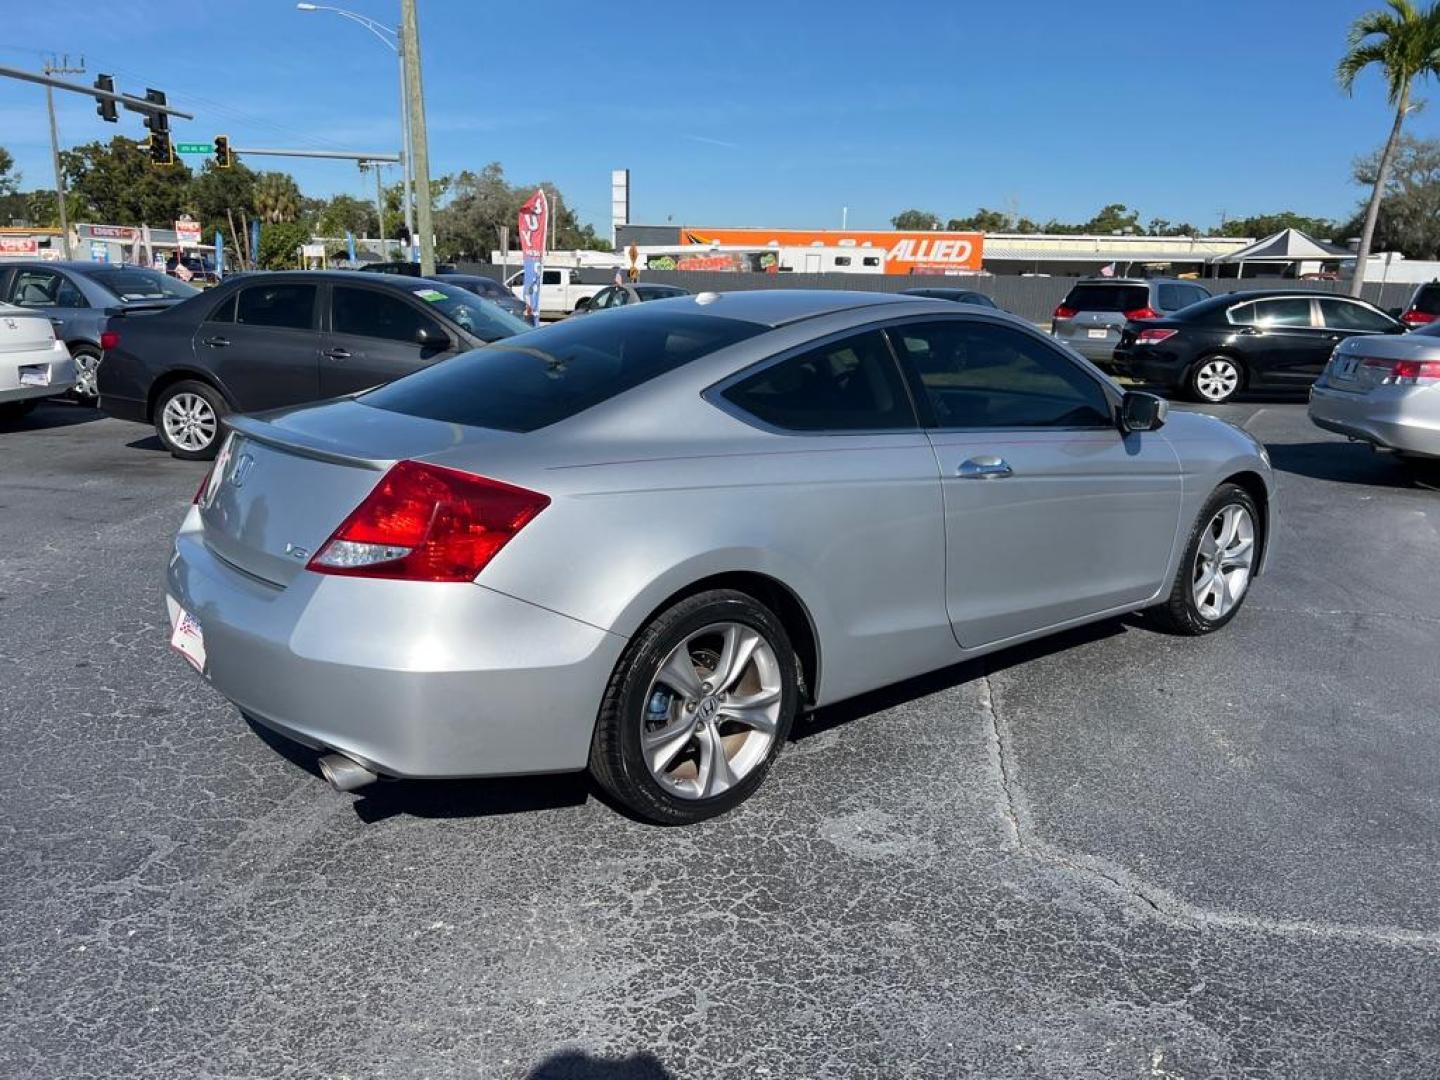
{"points": [[641, 544], [1384, 391]]}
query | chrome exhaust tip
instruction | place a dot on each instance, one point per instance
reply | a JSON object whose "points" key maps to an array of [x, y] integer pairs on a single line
{"points": [[345, 774]]}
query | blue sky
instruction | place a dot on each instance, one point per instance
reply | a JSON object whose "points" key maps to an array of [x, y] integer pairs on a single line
{"points": [[763, 113]]}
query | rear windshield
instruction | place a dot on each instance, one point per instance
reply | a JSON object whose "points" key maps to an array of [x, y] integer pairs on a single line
{"points": [[138, 283], [1106, 298], [551, 374], [1427, 300]]}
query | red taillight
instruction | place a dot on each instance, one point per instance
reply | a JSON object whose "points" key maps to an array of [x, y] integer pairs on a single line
{"points": [[1416, 318], [1405, 372], [204, 483], [1142, 313], [427, 523], [1153, 337], [1063, 312], [109, 339]]}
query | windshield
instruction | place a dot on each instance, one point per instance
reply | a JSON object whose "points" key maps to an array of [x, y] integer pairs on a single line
{"points": [[553, 373], [471, 313], [139, 283]]}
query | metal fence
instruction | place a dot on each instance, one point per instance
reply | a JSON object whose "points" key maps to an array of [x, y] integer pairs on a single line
{"points": [[1032, 298]]}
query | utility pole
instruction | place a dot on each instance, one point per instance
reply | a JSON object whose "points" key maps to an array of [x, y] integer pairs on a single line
{"points": [[61, 68], [419, 141], [406, 154], [554, 216]]}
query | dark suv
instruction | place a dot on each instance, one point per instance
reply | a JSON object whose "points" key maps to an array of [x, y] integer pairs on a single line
{"points": [[1095, 310]]}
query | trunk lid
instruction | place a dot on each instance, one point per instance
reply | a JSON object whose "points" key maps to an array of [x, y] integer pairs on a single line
{"points": [[285, 481], [24, 331]]}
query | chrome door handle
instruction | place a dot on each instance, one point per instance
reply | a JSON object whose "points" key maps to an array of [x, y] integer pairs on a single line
{"points": [[988, 467], [217, 342], [338, 354]]}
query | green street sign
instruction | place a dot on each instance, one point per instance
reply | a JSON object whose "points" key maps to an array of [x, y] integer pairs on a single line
{"points": [[194, 148]]}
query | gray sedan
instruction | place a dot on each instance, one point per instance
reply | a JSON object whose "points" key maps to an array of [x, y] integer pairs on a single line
{"points": [[1384, 391], [642, 543]]}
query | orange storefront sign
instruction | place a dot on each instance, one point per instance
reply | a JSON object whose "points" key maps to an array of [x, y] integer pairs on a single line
{"points": [[905, 252]]}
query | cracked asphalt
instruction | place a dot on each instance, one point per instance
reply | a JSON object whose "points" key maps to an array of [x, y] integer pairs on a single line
{"points": [[1112, 854]]}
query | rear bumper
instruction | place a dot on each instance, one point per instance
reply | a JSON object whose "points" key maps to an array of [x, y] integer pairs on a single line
{"points": [[1151, 365], [414, 679], [122, 408], [1403, 418], [1095, 350], [54, 366]]}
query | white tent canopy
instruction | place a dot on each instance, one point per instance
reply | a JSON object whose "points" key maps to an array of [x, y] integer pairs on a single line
{"points": [[1286, 246]]}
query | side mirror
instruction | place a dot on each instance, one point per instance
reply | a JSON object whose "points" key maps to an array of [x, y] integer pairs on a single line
{"points": [[426, 336], [1142, 412]]}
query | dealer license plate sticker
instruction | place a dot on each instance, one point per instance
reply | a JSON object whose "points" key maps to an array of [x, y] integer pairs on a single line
{"points": [[188, 639]]}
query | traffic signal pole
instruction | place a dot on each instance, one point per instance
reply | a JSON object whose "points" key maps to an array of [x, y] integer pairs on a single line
{"points": [[128, 101], [63, 68]]}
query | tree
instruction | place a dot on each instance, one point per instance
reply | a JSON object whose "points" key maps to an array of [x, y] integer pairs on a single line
{"points": [[1261, 225], [1111, 219], [480, 204], [913, 220], [983, 220], [219, 197], [116, 183], [1405, 44], [1409, 218], [277, 197], [1164, 227], [280, 245], [345, 212], [9, 178]]}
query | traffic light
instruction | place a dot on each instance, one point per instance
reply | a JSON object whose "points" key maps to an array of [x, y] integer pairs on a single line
{"points": [[161, 152], [223, 158], [105, 107]]}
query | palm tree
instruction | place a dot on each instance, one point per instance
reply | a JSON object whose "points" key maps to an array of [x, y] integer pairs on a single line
{"points": [[277, 197], [1404, 43]]}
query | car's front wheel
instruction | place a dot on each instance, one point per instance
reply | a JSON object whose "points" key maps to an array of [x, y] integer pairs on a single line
{"points": [[697, 709], [1219, 561], [187, 419], [1215, 380]]}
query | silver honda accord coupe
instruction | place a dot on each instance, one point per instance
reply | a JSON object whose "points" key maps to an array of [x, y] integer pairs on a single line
{"points": [[642, 542]]}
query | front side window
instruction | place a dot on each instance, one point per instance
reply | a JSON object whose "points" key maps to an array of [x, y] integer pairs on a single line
{"points": [[285, 306], [1344, 315], [987, 375], [36, 288], [602, 299], [375, 314], [847, 385]]}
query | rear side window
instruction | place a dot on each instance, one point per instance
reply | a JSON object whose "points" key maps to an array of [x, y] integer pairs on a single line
{"points": [[984, 375], [1175, 297], [287, 306], [548, 375], [375, 314], [847, 385], [1106, 298], [224, 312], [1290, 311]]}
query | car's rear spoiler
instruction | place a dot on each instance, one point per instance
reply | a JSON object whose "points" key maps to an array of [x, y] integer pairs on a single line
{"points": [[138, 307], [301, 443]]}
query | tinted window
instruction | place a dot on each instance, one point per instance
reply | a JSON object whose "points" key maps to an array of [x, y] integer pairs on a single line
{"points": [[1427, 300], [871, 260], [1175, 297], [550, 374], [225, 312], [281, 305], [1290, 311], [550, 277], [138, 283], [848, 385], [984, 375], [842, 260], [1106, 298], [375, 314], [467, 311], [1344, 315], [658, 292]]}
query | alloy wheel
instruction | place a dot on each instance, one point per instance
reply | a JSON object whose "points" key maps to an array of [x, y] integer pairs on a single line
{"points": [[1217, 379], [86, 365], [190, 421], [712, 711], [1223, 562]]}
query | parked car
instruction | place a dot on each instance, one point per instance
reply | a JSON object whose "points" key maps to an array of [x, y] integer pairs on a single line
{"points": [[1384, 390], [617, 296], [277, 339], [1246, 340], [487, 289], [34, 363], [642, 542], [1095, 310], [1424, 305], [403, 268], [957, 296], [561, 290], [78, 297]]}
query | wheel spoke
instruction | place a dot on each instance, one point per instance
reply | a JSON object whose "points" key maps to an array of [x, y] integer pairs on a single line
{"points": [[679, 673], [661, 746], [740, 645], [1209, 546], [754, 712], [715, 775]]}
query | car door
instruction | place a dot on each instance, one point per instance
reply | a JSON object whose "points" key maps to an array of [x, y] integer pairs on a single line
{"points": [[51, 292], [262, 342], [1281, 341], [376, 335], [1051, 514]]}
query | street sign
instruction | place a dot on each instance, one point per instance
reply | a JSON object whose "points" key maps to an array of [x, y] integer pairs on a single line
{"points": [[195, 148]]}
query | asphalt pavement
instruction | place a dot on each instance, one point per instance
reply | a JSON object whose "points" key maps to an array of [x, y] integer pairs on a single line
{"points": [[1111, 854]]}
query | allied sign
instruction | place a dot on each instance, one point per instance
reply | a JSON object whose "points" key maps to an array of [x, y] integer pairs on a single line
{"points": [[904, 252]]}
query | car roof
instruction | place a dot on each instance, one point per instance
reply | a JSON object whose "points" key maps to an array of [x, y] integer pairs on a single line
{"points": [[778, 307], [73, 264], [1100, 280], [1243, 295]]}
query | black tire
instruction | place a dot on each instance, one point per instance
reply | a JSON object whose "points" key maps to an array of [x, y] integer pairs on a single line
{"points": [[1196, 376], [1180, 613], [91, 399], [616, 761], [14, 410], [217, 406]]}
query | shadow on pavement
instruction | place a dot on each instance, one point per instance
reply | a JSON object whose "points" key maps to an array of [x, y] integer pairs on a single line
{"points": [[56, 414], [577, 1065], [1344, 462], [151, 442]]}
